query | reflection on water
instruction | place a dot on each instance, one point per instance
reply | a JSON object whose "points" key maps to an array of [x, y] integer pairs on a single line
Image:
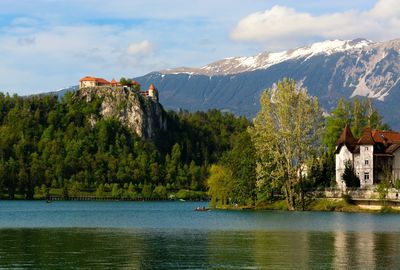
{"points": [[157, 235], [197, 249]]}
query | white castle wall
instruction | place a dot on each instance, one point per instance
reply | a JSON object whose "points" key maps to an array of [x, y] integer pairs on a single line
{"points": [[341, 158], [365, 167]]}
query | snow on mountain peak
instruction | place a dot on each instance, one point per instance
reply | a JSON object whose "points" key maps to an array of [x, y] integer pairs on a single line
{"points": [[233, 65]]}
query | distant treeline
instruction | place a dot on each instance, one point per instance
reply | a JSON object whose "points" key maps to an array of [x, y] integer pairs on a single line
{"points": [[50, 145]]}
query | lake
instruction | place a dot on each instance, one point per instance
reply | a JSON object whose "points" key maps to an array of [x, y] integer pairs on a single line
{"points": [[170, 235]]}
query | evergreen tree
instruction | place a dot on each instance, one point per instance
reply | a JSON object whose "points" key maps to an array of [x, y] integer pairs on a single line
{"points": [[349, 175]]}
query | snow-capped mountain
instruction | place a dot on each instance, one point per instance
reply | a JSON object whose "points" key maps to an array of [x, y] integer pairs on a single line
{"points": [[329, 69], [233, 65]]}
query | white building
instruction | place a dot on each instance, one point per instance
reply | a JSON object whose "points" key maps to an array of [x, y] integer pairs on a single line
{"points": [[370, 155]]}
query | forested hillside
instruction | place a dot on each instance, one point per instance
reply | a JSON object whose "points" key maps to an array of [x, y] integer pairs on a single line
{"points": [[50, 147]]}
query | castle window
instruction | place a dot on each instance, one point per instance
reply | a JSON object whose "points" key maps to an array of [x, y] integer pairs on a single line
{"points": [[366, 176], [366, 162]]}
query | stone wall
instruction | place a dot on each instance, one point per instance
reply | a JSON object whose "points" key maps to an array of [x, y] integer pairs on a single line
{"points": [[370, 193]]}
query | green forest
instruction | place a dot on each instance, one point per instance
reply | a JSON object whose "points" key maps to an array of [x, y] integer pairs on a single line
{"points": [[48, 147]]}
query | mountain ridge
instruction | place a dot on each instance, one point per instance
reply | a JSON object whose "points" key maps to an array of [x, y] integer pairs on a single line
{"points": [[358, 69], [329, 70], [263, 60]]}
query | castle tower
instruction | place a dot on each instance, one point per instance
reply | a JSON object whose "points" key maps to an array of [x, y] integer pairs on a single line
{"points": [[153, 92], [365, 166], [345, 146]]}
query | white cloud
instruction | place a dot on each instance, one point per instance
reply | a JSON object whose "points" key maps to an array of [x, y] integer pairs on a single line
{"points": [[46, 44], [286, 25], [141, 48], [63, 54]]}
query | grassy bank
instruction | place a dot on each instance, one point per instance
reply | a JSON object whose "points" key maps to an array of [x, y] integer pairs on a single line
{"points": [[317, 204]]}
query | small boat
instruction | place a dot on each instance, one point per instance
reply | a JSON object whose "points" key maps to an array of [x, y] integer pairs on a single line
{"points": [[202, 209], [182, 200]]}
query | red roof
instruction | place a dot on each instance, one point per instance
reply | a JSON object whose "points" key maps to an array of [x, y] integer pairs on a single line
{"points": [[389, 141], [93, 79], [113, 81], [346, 138], [380, 136], [366, 137], [152, 87]]}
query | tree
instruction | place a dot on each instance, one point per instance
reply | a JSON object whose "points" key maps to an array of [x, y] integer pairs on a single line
{"points": [[100, 191], [349, 175], [160, 192], [123, 81], [241, 161], [357, 114], [286, 134], [146, 191], [116, 191], [386, 182], [220, 185], [131, 192]]}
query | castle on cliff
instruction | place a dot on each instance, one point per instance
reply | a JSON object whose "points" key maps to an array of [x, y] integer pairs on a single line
{"points": [[89, 81]]}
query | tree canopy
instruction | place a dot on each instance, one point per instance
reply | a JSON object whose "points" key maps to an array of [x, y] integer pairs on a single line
{"points": [[286, 134], [45, 142]]}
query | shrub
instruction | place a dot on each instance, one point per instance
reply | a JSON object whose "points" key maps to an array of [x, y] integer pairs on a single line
{"points": [[387, 209], [397, 184], [160, 192], [186, 194], [100, 191], [347, 198], [116, 191], [147, 191]]}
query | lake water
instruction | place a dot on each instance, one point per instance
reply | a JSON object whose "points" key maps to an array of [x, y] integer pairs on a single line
{"points": [[170, 235]]}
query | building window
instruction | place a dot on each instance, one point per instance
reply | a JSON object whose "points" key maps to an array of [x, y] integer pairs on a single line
{"points": [[366, 176], [366, 148], [366, 162]]}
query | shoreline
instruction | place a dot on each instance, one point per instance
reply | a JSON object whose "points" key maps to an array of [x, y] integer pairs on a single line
{"points": [[319, 205], [314, 205]]}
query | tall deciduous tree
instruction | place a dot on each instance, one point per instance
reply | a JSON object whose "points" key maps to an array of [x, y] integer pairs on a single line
{"points": [[220, 184], [286, 134]]}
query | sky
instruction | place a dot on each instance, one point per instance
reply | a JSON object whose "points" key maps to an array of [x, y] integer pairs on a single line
{"points": [[46, 45]]}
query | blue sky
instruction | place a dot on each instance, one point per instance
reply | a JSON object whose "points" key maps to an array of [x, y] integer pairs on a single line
{"points": [[49, 44]]}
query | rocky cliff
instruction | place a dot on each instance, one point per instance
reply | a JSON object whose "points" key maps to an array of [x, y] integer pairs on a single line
{"points": [[138, 113]]}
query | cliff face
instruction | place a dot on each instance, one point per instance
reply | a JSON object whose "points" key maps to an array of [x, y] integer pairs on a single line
{"points": [[141, 114]]}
